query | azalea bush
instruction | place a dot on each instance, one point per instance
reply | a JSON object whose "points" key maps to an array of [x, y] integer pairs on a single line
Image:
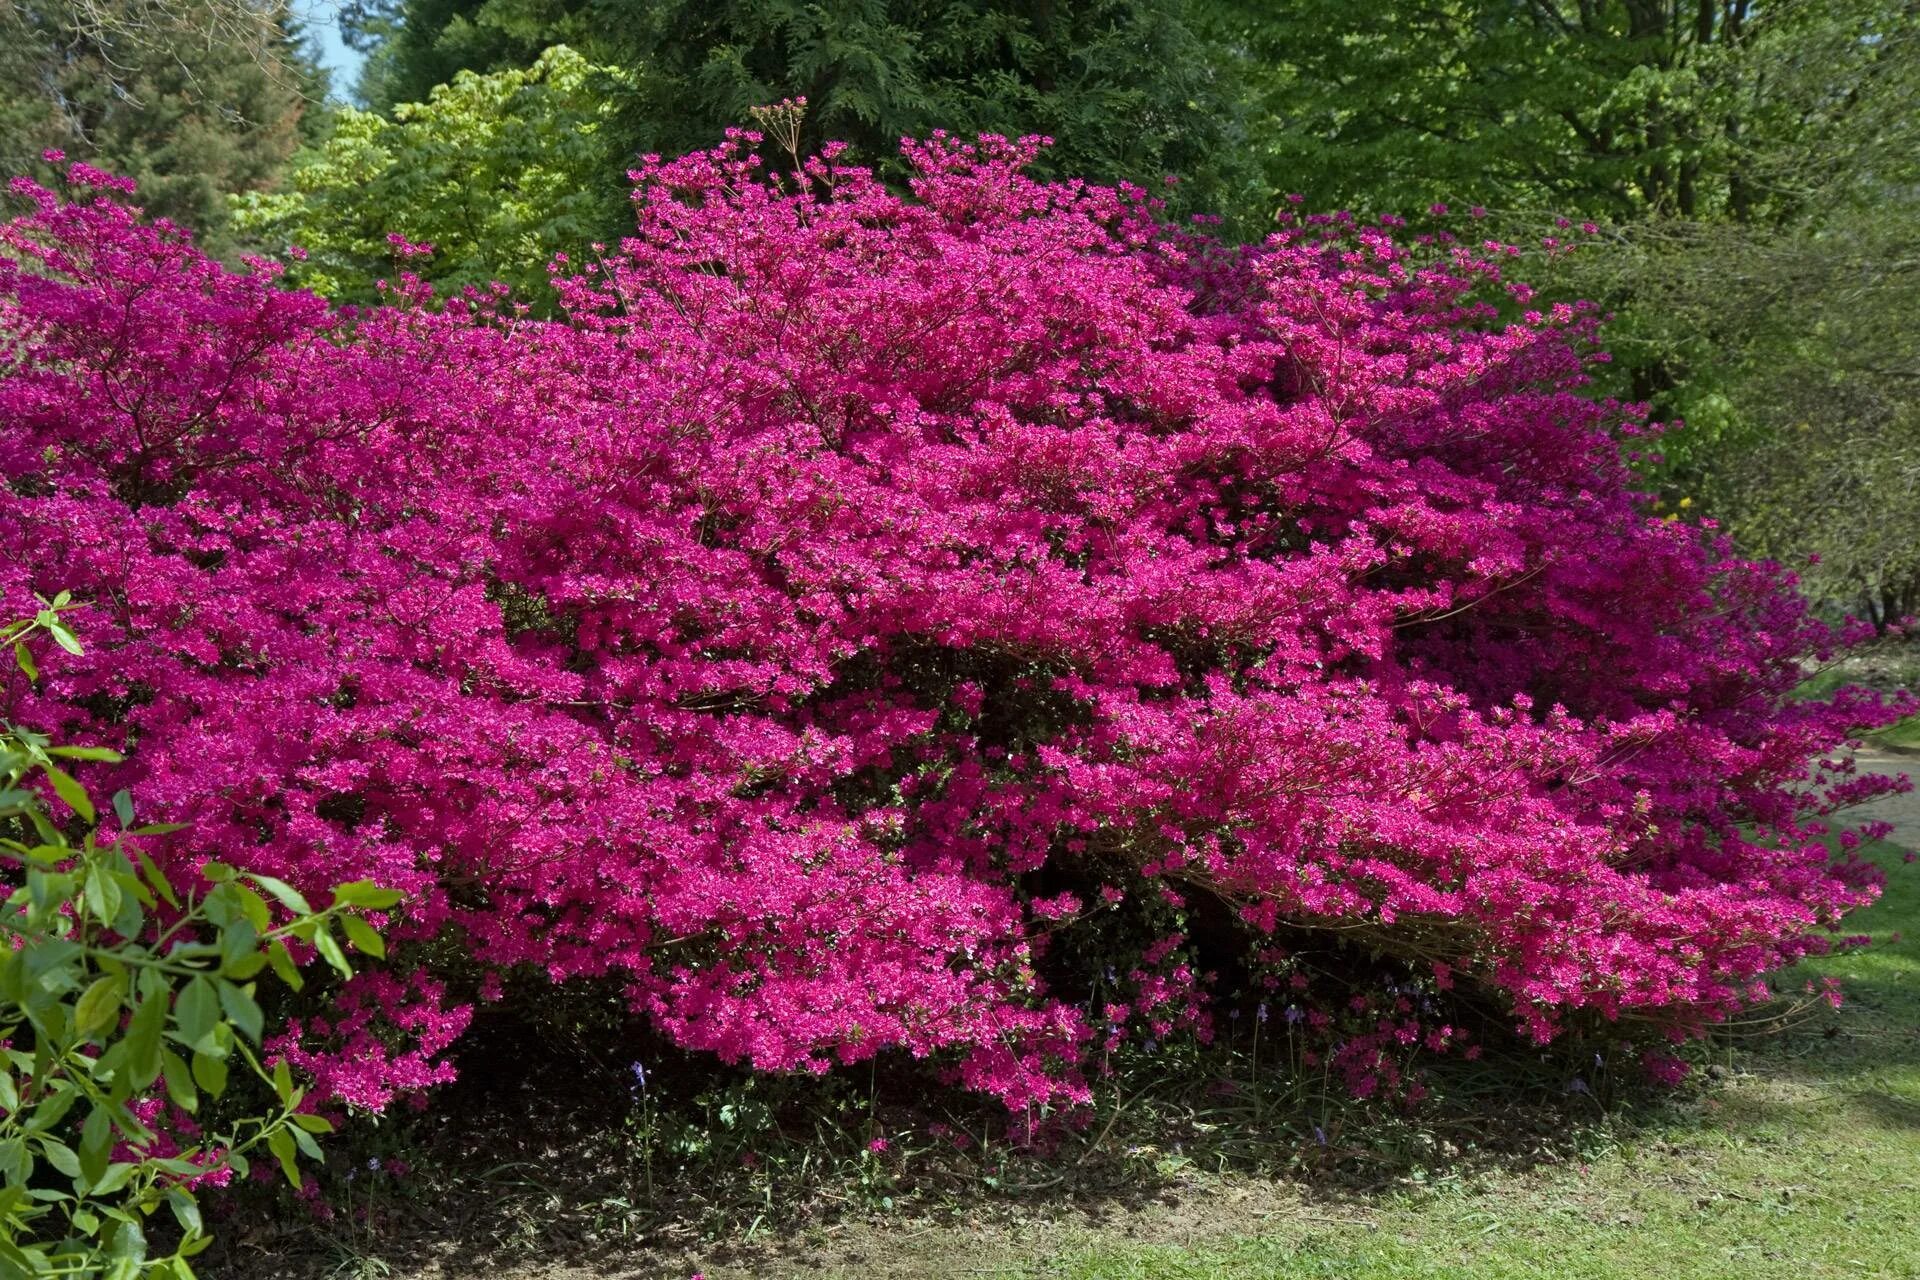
{"points": [[128, 1001], [986, 624]]}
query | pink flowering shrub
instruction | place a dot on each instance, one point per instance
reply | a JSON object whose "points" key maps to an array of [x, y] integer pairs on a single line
{"points": [[858, 605]]}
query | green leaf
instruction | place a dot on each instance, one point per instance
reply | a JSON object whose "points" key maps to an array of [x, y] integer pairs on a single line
{"points": [[116, 1177], [308, 1147], [61, 1157], [96, 1145], [24, 659], [313, 1123], [145, 1035], [283, 1082], [280, 1142], [123, 807], [330, 951], [185, 1211], [71, 792], [65, 638], [98, 1009], [253, 907], [180, 1088], [211, 1073], [289, 897], [363, 937], [15, 1163], [238, 941], [197, 1011], [102, 895], [157, 878], [54, 1107], [367, 894], [106, 755], [242, 1009], [283, 966]]}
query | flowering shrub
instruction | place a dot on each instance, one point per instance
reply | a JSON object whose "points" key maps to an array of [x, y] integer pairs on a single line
{"points": [[860, 605], [126, 1000]]}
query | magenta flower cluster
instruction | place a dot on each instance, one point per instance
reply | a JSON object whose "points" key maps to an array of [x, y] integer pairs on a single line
{"points": [[856, 600]]}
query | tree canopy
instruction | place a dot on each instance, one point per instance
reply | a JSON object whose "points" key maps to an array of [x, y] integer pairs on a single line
{"points": [[1129, 89], [194, 99]]}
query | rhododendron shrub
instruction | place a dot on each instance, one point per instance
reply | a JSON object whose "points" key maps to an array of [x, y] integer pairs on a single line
{"points": [[860, 605]]}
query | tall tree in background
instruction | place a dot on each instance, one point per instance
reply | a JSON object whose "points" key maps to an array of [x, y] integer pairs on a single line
{"points": [[496, 171], [192, 98], [1131, 89], [1753, 167]]}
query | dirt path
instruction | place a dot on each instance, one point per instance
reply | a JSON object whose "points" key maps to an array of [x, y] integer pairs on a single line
{"points": [[1220, 1211]]}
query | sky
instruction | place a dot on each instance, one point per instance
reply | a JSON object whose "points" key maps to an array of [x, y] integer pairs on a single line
{"points": [[322, 18]]}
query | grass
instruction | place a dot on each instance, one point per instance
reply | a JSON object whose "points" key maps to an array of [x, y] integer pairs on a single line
{"points": [[1903, 735], [1798, 1158], [1802, 1163]]}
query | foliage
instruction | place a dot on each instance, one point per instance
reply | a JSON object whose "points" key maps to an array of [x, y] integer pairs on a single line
{"points": [[1615, 109], [194, 99], [1130, 89], [126, 997], [1752, 168], [862, 611], [496, 173]]}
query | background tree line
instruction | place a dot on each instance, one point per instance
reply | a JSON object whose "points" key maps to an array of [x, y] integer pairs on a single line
{"points": [[1751, 168]]}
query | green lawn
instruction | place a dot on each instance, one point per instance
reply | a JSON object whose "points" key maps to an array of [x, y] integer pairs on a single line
{"points": [[1804, 1163]]}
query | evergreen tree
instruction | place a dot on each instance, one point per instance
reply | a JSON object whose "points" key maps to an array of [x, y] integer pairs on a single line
{"points": [[191, 98], [1130, 89]]}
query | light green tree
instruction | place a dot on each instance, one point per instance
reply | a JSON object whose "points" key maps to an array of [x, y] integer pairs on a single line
{"points": [[497, 172]]}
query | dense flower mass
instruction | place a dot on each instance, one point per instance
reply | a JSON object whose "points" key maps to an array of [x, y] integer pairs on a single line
{"points": [[857, 605]]}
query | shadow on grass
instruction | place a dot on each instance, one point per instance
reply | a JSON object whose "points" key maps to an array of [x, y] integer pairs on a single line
{"points": [[555, 1151]]}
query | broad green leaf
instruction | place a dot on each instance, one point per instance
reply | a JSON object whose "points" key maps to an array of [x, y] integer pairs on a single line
{"points": [[158, 879], [116, 1177], [367, 894], [283, 966], [185, 1211], [71, 792], [363, 936], [197, 1011], [210, 1073], [280, 1142], [106, 755], [242, 1009], [180, 1088], [329, 950], [65, 638], [96, 1145], [61, 1157], [99, 1006], [289, 897], [146, 1033]]}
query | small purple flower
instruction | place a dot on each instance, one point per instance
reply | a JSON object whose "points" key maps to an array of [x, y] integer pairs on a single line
{"points": [[639, 1070], [1320, 1135], [1294, 1014], [1261, 1012]]}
